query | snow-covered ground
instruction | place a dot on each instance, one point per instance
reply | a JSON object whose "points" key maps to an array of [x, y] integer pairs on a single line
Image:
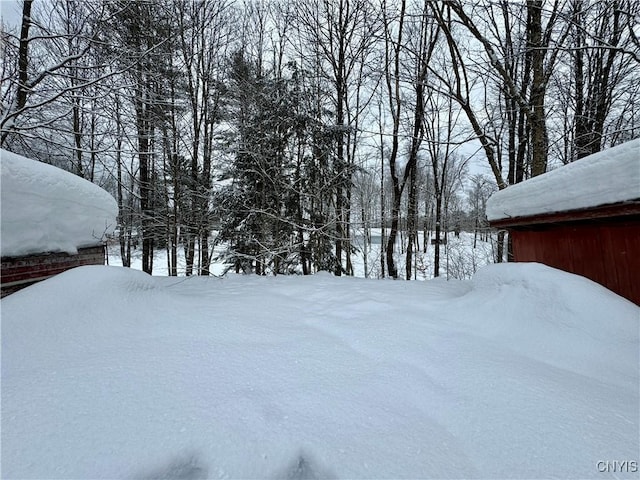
{"points": [[46, 209], [521, 372], [459, 258]]}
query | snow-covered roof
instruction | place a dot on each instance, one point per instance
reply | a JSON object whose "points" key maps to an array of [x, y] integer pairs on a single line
{"points": [[607, 177], [45, 209]]}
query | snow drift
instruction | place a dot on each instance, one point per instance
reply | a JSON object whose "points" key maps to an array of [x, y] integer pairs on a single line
{"points": [[522, 372], [45, 209]]}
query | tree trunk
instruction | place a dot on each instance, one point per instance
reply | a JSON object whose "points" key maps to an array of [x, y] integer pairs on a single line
{"points": [[500, 247], [124, 237], [436, 253], [22, 90], [144, 179], [412, 208], [393, 232], [538, 89]]}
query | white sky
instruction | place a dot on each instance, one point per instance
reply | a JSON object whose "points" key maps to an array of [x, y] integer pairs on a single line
{"points": [[10, 12]]}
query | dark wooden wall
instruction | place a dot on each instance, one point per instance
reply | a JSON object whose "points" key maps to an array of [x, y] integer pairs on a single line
{"points": [[604, 250], [20, 272]]}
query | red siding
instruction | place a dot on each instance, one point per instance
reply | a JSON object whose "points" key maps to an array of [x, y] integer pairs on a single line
{"points": [[605, 250], [19, 272]]}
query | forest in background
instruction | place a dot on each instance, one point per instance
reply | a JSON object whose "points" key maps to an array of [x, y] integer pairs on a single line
{"points": [[286, 127]]}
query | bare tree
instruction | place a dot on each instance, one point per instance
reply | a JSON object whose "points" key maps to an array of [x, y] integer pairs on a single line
{"points": [[339, 35], [426, 33], [604, 58], [33, 85], [543, 44], [394, 22], [482, 187], [446, 166], [204, 35], [141, 32]]}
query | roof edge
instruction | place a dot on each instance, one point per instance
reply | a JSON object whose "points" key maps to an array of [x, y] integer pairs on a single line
{"points": [[620, 209]]}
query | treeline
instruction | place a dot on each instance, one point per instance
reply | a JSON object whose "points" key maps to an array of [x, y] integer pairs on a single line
{"points": [[288, 128]]}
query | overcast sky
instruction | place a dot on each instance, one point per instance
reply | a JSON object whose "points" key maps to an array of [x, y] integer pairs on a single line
{"points": [[10, 12]]}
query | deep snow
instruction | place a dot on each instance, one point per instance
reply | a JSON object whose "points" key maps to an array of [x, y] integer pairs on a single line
{"points": [[46, 209], [522, 372], [607, 177]]}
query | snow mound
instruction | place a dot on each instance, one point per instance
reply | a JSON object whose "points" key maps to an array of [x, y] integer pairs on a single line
{"points": [[45, 209], [558, 318], [607, 177], [522, 372]]}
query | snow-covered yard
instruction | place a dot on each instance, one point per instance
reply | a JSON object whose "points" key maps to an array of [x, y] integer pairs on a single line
{"points": [[521, 372], [459, 258]]}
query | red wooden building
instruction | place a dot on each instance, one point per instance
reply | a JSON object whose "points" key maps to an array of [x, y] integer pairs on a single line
{"points": [[20, 272], [583, 218], [50, 221]]}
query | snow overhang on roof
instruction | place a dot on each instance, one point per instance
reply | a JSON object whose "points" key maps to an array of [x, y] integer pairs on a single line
{"points": [[46, 209], [610, 177]]}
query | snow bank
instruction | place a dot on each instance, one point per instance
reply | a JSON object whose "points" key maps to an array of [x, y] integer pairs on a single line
{"points": [[45, 209], [607, 177], [522, 372]]}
